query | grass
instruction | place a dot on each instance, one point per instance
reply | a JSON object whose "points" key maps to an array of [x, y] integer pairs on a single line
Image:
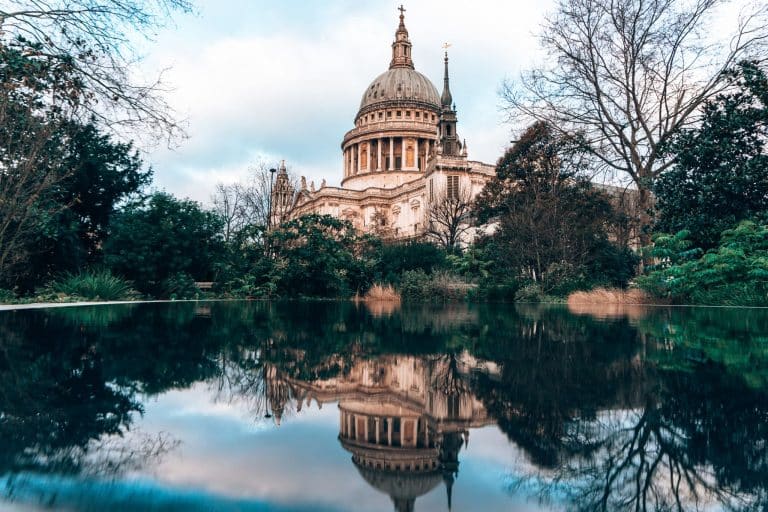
{"points": [[611, 296], [382, 292], [89, 285]]}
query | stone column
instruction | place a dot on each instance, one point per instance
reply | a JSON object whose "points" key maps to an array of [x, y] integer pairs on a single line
{"points": [[378, 160], [389, 431], [416, 150], [402, 156], [359, 154], [377, 419], [366, 430], [391, 153]]}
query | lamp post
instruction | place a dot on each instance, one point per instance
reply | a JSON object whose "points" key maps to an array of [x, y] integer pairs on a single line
{"points": [[272, 172]]}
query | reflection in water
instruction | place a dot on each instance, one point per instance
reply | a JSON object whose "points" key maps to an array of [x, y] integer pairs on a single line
{"points": [[403, 418], [650, 409]]}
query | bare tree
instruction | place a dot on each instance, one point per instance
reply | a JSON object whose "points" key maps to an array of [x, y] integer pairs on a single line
{"points": [[96, 40], [448, 217], [249, 202], [629, 73], [229, 204], [35, 104]]}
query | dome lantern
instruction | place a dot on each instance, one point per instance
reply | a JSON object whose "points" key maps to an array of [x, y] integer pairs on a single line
{"points": [[401, 48]]}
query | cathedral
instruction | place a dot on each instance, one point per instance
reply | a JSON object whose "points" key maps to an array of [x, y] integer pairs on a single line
{"points": [[403, 157]]}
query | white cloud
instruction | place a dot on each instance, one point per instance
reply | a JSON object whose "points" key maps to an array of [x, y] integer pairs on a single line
{"points": [[284, 81]]}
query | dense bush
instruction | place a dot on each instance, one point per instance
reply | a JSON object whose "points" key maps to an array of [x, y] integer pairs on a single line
{"points": [[395, 258], [152, 242], [735, 273], [89, 285], [180, 286], [417, 285], [7, 296], [311, 256]]}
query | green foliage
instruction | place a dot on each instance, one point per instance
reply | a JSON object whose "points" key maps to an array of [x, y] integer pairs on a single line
{"points": [[396, 258], [180, 286], [90, 285], [7, 296], [531, 292], [472, 263], [720, 176], [735, 273], [440, 286], [415, 285], [153, 241], [312, 256]]}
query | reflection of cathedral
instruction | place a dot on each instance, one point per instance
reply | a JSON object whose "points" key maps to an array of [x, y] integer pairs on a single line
{"points": [[404, 419], [403, 156]]}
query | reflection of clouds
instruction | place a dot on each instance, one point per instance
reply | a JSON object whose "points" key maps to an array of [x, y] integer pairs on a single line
{"points": [[300, 463]]}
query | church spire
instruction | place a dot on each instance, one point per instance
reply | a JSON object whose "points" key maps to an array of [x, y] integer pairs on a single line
{"points": [[401, 48], [446, 99]]}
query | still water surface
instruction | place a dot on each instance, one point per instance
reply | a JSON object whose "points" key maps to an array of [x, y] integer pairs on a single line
{"points": [[229, 406]]}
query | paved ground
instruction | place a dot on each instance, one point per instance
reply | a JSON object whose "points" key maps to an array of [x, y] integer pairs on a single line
{"points": [[40, 305]]}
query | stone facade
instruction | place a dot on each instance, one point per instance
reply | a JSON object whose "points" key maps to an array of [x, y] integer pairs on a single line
{"points": [[402, 156]]}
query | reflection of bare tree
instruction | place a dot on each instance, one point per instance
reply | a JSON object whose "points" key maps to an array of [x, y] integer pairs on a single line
{"points": [[638, 460], [256, 379], [106, 458], [446, 375]]}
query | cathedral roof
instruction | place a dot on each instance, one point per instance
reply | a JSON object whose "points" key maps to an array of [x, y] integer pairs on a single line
{"points": [[401, 82]]}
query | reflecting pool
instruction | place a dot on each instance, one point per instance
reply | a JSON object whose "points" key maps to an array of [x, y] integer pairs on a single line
{"points": [[336, 406]]}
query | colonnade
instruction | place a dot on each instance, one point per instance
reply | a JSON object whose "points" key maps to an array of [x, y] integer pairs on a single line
{"points": [[384, 430], [387, 154]]}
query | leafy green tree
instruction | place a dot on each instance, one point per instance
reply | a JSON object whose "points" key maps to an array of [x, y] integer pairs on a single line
{"points": [[550, 218], [721, 172], [735, 273], [320, 256], [154, 240], [101, 174]]}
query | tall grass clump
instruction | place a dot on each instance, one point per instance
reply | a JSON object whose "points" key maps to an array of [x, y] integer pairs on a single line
{"points": [[612, 296], [382, 292], [90, 285]]}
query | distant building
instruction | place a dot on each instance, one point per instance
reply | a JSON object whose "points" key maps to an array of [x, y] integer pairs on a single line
{"points": [[403, 156]]}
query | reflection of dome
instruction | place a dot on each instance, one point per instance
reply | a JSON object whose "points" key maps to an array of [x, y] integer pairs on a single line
{"points": [[401, 84], [403, 487]]}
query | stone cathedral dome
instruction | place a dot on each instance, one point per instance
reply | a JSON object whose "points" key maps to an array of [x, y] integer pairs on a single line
{"points": [[401, 84]]}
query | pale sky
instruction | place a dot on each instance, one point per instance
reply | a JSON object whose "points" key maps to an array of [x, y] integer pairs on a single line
{"points": [[270, 80]]}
